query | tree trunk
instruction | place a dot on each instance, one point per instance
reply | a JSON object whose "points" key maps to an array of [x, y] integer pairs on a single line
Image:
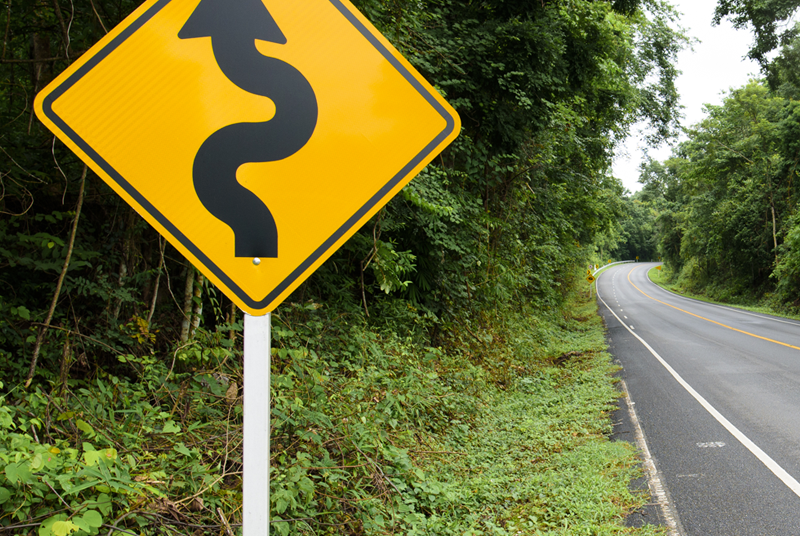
{"points": [[66, 358], [188, 292], [163, 245], [127, 255], [64, 29], [40, 49], [774, 234], [232, 332], [123, 272], [197, 302]]}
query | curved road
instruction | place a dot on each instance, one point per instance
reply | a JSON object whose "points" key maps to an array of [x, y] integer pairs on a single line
{"points": [[717, 393]]}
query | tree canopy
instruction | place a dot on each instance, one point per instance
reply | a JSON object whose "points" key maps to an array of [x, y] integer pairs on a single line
{"points": [[725, 203], [771, 22]]}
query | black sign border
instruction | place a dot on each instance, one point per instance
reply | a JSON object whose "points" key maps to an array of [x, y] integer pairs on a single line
{"points": [[49, 100]]}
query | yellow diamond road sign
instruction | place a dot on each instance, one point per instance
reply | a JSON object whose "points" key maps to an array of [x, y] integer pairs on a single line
{"points": [[257, 136]]}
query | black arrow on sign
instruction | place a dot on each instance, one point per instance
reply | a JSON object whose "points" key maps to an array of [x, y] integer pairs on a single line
{"points": [[234, 27]]}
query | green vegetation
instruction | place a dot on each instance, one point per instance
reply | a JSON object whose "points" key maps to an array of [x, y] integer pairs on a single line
{"points": [[770, 21], [437, 375], [637, 238], [724, 207], [665, 280], [566, 479], [503, 434], [722, 210], [659, 277]]}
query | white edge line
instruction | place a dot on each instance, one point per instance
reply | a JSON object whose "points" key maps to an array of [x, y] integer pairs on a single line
{"points": [[657, 491], [762, 456]]}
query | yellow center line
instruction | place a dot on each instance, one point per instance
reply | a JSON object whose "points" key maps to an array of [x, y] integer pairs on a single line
{"points": [[708, 319]]}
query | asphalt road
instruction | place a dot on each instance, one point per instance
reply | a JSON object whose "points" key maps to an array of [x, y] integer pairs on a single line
{"points": [[717, 393]]}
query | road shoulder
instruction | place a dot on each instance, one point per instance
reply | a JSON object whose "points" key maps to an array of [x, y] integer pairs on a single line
{"points": [[658, 510]]}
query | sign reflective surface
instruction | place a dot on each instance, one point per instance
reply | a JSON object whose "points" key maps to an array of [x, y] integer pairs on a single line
{"points": [[250, 130]]}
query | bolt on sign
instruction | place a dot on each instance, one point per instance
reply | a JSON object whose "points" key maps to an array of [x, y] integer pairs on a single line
{"points": [[257, 136]]}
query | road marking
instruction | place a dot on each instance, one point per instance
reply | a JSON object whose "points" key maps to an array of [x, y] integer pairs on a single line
{"points": [[762, 456], [729, 308], [711, 445], [657, 491], [708, 319]]}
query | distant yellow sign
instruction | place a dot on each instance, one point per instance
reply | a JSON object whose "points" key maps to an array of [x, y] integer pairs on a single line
{"points": [[658, 267], [256, 136], [590, 278]]}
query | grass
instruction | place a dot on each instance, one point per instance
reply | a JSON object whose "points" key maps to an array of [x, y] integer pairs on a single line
{"points": [[504, 430], [539, 461]]}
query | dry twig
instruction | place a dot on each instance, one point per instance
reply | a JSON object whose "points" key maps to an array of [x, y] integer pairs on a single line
{"points": [[37, 348]]}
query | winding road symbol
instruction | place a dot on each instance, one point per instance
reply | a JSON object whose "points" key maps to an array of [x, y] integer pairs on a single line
{"points": [[233, 28]]}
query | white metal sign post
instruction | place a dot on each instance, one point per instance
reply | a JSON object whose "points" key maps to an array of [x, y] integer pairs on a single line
{"points": [[255, 459]]}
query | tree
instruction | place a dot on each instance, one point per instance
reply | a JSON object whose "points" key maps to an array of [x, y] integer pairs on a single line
{"points": [[727, 195], [764, 18], [638, 237]]}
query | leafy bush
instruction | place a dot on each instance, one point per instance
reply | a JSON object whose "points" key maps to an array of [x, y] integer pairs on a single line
{"points": [[155, 448]]}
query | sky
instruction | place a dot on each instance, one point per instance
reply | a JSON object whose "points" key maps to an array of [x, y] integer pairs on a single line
{"points": [[716, 65]]}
